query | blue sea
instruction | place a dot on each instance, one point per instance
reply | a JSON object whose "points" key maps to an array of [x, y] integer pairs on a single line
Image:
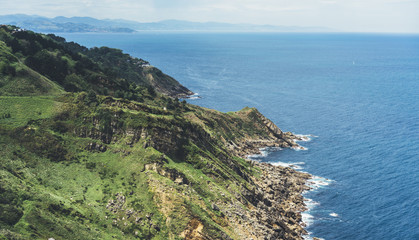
{"points": [[355, 95]]}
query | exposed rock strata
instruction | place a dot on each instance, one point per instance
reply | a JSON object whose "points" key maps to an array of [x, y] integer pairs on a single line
{"points": [[268, 207], [249, 145], [274, 206], [277, 199], [279, 211]]}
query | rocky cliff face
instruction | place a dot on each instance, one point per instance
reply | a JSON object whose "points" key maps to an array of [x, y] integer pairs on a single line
{"points": [[164, 83], [124, 169], [250, 145], [262, 206]]}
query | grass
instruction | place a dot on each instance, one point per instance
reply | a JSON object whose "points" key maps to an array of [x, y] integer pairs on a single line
{"points": [[23, 109], [23, 81], [66, 198]]}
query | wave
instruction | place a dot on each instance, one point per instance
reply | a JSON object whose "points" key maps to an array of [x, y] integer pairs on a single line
{"points": [[303, 138], [194, 96], [315, 183], [294, 165], [334, 214], [299, 148], [307, 218], [308, 237]]}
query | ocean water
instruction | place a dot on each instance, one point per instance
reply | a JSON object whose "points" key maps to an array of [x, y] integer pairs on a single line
{"points": [[356, 95]]}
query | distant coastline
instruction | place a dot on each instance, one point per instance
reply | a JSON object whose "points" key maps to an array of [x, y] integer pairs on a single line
{"points": [[91, 25]]}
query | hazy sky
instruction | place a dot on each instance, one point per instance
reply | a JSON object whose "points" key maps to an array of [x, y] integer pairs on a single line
{"points": [[346, 15]]}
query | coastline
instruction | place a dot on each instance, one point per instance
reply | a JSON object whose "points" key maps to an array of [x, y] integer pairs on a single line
{"points": [[296, 202], [278, 198], [284, 188]]}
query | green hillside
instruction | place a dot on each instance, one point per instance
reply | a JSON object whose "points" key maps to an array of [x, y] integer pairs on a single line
{"points": [[92, 152], [26, 55], [18, 79]]}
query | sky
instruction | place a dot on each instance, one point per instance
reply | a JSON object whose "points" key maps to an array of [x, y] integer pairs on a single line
{"points": [[341, 15]]}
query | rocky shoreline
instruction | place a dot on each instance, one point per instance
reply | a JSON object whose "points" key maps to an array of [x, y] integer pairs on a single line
{"points": [[283, 200], [279, 202], [247, 146]]}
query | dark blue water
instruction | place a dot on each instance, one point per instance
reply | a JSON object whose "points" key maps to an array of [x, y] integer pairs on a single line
{"points": [[358, 93]]}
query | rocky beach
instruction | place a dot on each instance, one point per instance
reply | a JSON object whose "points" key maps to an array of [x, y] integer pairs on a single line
{"points": [[276, 208], [276, 202]]}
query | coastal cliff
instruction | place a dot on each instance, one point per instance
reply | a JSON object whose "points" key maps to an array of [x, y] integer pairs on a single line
{"points": [[131, 162]]}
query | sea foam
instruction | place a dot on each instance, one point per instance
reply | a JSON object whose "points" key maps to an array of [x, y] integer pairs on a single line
{"points": [[303, 138], [315, 183], [294, 165], [334, 214], [194, 96]]}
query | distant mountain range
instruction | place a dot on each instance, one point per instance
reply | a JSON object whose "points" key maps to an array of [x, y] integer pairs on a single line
{"points": [[61, 24], [88, 24]]}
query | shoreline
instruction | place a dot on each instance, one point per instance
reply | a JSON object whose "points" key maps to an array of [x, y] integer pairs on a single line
{"points": [[285, 186], [278, 198], [301, 183], [279, 201]]}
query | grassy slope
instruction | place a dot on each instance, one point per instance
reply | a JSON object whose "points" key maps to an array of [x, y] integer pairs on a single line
{"points": [[52, 186], [23, 109], [24, 81]]}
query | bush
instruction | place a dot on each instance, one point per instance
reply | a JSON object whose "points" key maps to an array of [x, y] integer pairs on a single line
{"points": [[91, 97], [74, 83], [41, 143], [151, 91], [10, 215], [7, 69]]}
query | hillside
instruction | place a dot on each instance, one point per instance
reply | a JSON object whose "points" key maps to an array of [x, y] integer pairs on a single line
{"points": [[103, 70], [131, 162]]}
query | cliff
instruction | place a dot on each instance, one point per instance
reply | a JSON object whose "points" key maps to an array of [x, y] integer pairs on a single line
{"points": [[82, 164]]}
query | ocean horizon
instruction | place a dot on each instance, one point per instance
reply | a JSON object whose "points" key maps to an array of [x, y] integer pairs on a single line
{"points": [[355, 96]]}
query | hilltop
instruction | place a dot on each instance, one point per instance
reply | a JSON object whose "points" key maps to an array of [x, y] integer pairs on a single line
{"points": [[95, 144]]}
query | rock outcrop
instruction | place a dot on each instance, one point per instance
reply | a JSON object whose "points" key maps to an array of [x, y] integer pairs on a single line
{"points": [[273, 137], [266, 207]]}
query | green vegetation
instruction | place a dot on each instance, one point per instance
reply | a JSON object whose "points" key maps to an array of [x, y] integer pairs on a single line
{"points": [[64, 161], [17, 111], [93, 148], [30, 61]]}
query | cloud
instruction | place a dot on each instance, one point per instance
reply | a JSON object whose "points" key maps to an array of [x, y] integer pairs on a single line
{"points": [[328, 2]]}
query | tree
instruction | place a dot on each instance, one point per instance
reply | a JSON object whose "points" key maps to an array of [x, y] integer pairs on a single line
{"points": [[74, 83], [151, 91], [119, 94], [91, 97]]}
